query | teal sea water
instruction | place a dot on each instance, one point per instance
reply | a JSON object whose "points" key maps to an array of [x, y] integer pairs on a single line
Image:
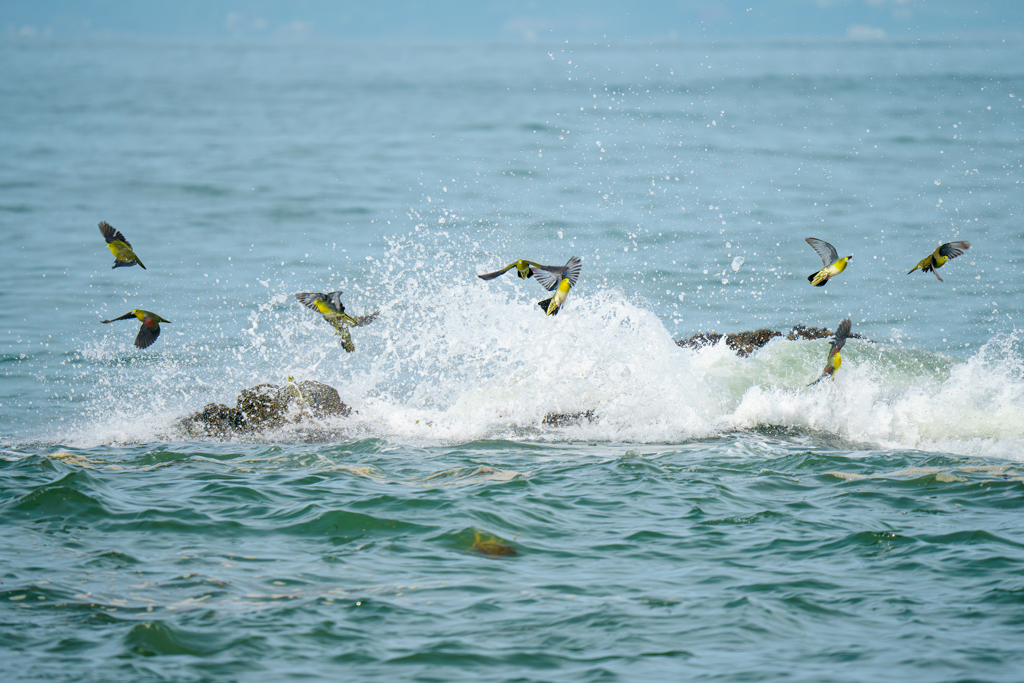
{"points": [[712, 519]]}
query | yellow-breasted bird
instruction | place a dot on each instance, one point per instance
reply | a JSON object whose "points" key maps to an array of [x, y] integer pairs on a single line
{"points": [[330, 307], [834, 359], [119, 247], [938, 258], [524, 269], [833, 264], [150, 329], [561, 280]]}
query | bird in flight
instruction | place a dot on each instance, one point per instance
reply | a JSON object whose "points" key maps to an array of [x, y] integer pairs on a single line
{"points": [[119, 247], [938, 258], [150, 329], [834, 358], [560, 280], [833, 264], [330, 307]]}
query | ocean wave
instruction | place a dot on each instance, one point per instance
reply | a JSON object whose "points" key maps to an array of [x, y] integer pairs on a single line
{"points": [[455, 359]]}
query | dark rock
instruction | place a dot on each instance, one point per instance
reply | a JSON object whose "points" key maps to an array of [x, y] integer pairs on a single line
{"points": [[216, 419], [801, 332], [566, 419], [322, 399], [267, 406], [743, 343], [263, 407]]}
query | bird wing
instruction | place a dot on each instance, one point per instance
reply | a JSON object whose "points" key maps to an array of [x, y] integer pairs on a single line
{"points": [[361, 320], [334, 301], [572, 270], [548, 276], [491, 276], [826, 251], [111, 235], [953, 249], [309, 299], [842, 332], [146, 336], [123, 317]]}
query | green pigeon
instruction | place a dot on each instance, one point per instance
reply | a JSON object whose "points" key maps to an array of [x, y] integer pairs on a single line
{"points": [[330, 307], [938, 258], [150, 329], [833, 264], [561, 280], [119, 247], [834, 359]]}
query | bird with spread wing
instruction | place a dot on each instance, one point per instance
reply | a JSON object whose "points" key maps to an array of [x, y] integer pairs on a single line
{"points": [[830, 257], [560, 280], [150, 329], [119, 247], [834, 358], [330, 307], [938, 258]]}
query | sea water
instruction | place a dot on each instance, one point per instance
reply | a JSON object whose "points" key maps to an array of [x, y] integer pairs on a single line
{"points": [[696, 514]]}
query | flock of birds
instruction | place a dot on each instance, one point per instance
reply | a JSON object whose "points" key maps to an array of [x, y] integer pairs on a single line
{"points": [[328, 305], [557, 279], [835, 265], [561, 279]]}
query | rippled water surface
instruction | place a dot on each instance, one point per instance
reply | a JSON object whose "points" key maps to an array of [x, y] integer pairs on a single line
{"points": [[515, 497]]}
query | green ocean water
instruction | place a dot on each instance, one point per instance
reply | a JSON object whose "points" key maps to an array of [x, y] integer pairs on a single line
{"points": [[746, 557], [695, 515]]}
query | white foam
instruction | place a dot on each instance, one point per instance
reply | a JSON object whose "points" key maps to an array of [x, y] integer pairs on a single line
{"points": [[453, 358]]}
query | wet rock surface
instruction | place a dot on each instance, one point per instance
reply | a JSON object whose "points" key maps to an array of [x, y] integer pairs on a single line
{"points": [[267, 406], [567, 419], [745, 343]]}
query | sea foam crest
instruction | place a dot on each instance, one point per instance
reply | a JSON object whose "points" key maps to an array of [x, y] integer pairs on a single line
{"points": [[890, 397], [455, 358]]}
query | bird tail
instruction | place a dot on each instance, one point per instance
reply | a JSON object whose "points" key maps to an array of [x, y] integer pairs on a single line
{"points": [[546, 305], [817, 279]]}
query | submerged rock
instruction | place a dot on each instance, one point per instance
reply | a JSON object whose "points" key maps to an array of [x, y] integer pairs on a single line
{"points": [[493, 546], [267, 406], [745, 343]]}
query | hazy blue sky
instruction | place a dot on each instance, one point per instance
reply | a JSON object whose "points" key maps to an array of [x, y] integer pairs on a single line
{"points": [[514, 19]]}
